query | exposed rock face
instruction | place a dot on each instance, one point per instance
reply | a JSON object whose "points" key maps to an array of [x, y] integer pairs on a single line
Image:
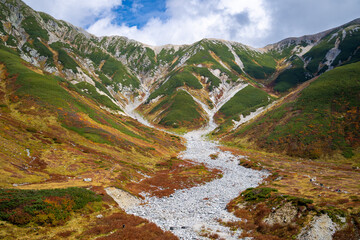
{"points": [[321, 228], [282, 215], [124, 199]]}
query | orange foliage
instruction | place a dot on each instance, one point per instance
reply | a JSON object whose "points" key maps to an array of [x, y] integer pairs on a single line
{"points": [[175, 174], [127, 227]]}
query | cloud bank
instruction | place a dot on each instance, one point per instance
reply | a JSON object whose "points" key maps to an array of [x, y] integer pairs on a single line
{"points": [[80, 13], [256, 22], [189, 21]]}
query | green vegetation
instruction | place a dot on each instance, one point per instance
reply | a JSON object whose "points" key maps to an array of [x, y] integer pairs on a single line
{"points": [[33, 28], [322, 120], [166, 56], [176, 79], [67, 61], [48, 89], [113, 68], [214, 81], [244, 102], [46, 17], [181, 111], [318, 52], [64, 58], [93, 134], [11, 41], [299, 201], [42, 49], [257, 194], [257, 65], [117, 70], [348, 47], [97, 56], [225, 54], [43, 207], [91, 92], [204, 57], [291, 77]]}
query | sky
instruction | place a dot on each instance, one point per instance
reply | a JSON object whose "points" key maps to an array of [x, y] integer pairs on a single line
{"points": [[159, 22]]}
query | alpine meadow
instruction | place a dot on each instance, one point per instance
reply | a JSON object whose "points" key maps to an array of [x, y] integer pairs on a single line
{"points": [[110, 138]]}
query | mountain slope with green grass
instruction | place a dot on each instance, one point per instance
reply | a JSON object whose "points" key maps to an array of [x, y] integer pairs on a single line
{"points": [[322, 120], [69, 99]]}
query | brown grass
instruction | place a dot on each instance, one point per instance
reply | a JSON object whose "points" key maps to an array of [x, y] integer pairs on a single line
{"points": [[127, 227], [173, 174]]}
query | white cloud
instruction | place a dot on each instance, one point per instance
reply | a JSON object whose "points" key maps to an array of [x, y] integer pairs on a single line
{"points": [[190, 21], [78, 12], [255, 22]]}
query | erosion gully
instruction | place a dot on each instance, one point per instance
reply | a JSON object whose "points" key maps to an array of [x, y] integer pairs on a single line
{"points": [[189, 213]]}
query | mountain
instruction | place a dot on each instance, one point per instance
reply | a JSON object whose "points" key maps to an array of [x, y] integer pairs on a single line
{"points": [[128, 74], [175, 86], [58, 119], [321, 118], [85, 111]]}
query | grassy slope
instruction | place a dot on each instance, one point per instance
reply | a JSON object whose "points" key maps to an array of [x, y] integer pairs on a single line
{"points": [[243, 103], [322, 120], [176, 79], [257, 65], [180, 111], [291, 77], [36, 111], [91, 92]]}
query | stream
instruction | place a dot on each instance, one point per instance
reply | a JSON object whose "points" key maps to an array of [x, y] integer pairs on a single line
{"points": [[188, 212]]}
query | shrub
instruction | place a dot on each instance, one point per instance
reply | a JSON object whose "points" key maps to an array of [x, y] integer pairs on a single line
{"points": [[257, 194], [43, 206]]}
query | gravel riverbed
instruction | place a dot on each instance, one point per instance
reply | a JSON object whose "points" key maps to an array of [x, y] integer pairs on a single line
{"points": [[187, 212]]}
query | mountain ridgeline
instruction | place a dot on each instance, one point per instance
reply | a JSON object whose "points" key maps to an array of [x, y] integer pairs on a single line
{"points": [[79, 77]]}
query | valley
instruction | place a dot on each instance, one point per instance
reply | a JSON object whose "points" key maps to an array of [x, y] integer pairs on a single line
{"points": [[210, 140]]}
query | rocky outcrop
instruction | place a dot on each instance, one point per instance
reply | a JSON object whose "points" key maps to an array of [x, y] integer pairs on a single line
{"points": [[321, 228], [282, 215]]}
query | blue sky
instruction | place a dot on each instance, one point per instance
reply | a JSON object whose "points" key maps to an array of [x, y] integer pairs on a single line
{"points": [[137, 12], [158, 22]]}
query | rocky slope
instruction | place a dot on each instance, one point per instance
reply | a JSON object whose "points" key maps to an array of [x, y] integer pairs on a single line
{"points": [[126, 72]]}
